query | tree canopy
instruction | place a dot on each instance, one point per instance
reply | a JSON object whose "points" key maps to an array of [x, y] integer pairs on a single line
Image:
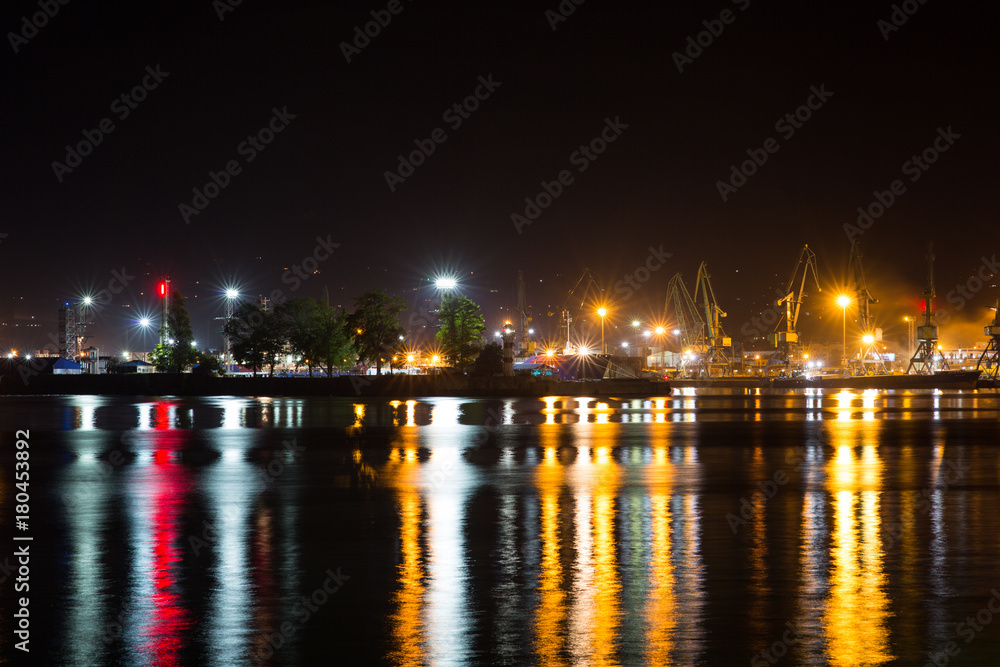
{"points": [[375, 326], [256, 335], [462, 327], [176, 351]]}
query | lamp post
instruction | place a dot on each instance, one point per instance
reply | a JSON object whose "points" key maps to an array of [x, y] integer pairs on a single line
{"points": [[843, 300], [231, 296], [602, 312]]}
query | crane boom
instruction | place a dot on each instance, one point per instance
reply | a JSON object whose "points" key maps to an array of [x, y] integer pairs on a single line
{"points": [[786, 342]]}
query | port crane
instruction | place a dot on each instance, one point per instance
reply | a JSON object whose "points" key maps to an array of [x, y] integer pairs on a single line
{"points": [[867, 360], [590, 284], [927, 359], [989, 360], [714, 360], [785, 338], [685, 311]]}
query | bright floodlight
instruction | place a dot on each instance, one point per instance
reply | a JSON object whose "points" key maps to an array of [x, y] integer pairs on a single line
{"points": [[659, 331], [677, 332], [144, 322], [624, 344], [232, 293], [446, 283], [636, 323], [602, 311], [87, 301], [843, 300], [868, 339]]}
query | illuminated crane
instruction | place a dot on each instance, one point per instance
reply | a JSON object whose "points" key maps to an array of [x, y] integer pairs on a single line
{"points": [[786, 341], [927, 359], [715, 360], [685, 312], [989, 360], [867, 360], [587, 279]]}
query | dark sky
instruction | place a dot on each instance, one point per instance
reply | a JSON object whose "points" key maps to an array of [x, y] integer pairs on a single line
{"points": [[655, 186]]}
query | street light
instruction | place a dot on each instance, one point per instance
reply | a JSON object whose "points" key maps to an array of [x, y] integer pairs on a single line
{"points": [[231, 295], [602, 312], [446, 283], [843, 301]]}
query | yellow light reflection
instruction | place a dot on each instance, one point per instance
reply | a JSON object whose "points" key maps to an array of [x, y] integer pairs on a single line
{"points": [[551, 613], [407, 622], [857, 610], [661, 613]]}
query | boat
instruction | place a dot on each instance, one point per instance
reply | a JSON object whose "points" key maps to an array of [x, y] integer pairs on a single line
{"points": [[964, 379]]}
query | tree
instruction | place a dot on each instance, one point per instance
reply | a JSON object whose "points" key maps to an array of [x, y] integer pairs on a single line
{"points": [[317, 333], [461, 332], [375, 326], [256, 336], [489, 361], [176, 351], [332, 338], [299, 318]]}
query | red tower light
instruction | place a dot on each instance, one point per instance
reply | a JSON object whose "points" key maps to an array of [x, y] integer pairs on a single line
{"points": [[163, 289]]}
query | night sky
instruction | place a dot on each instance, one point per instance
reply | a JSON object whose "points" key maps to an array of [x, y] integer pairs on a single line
{"points": [[212, 76]]}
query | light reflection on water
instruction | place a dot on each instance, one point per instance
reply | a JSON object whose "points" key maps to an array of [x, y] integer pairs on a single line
{"points": [[600, 526]]}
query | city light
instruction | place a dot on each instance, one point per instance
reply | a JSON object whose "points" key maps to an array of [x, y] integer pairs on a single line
{"points": [[446, 283]]}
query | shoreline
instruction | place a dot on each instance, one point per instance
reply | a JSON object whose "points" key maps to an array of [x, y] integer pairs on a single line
{"points": [[388, 386]]}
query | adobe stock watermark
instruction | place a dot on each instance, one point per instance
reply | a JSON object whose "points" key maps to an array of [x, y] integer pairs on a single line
{"points": [[304, 608], [900, 14], [223, 7], [581, 158], [301, 272], [562, 12], [758, 325], [454, 115], [778, 649], [248, 149], [968, 630], [381, 18], [122, 106], [914, 168], [787, 125], [713, 28], [922, 500], [30, 25], [98, 302], [984, 275], [633, 282], [768, 489], [262, 480]]}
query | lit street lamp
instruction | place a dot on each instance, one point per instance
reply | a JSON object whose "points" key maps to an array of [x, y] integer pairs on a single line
{"points": [[231, 296], [602, 312], [843, 301]]}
